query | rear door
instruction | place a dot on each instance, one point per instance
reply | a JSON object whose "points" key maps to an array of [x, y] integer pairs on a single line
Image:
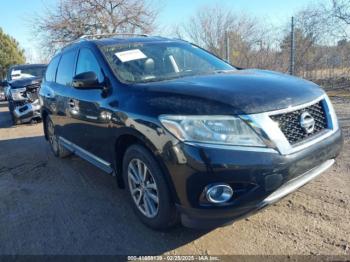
{"points": [[47, 90], [62, 89]]}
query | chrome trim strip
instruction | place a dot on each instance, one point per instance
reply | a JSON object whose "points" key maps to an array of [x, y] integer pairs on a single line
{"points": [[92, 117], [93, 159], [273, 136], [331, 115], [295, 108], [297, 182], [233, 147]]}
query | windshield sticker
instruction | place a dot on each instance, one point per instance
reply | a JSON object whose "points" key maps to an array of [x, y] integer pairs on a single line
{"points": [[130, 55]]}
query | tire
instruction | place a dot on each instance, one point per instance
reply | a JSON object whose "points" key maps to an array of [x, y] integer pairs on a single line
{"points": [[11, 106], [12, 109], [159, 216], [57, 149], [14, 120]]}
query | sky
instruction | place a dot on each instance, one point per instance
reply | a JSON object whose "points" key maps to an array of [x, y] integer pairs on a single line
{"points": [[15, 14]]}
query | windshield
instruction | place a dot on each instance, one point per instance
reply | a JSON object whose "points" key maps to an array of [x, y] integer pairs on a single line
{"points": [[24, 72], [149, 62]]}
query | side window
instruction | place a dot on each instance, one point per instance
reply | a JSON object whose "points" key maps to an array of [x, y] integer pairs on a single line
{"points": [[50, 74], [87, 62], [65, 69]]}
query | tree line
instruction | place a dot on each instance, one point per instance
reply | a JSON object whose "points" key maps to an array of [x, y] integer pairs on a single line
{"points": [[10, 52], [322, 48]]}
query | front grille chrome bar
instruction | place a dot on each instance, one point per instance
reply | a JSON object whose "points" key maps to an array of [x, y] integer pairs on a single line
{"points": [[273, 136]]}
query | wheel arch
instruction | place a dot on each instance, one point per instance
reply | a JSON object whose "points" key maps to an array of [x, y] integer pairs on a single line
{"points": [[130, 137]]}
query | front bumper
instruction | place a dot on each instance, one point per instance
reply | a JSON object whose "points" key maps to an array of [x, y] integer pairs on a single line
{"points": [[259, 178], [25, 112]]}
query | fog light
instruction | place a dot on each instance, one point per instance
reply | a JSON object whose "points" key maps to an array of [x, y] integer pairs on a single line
{"points": [[219, 193]]}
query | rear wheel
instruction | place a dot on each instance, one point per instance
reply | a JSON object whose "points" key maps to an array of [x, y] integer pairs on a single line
{"points": [[57, 149], [147, 188]]}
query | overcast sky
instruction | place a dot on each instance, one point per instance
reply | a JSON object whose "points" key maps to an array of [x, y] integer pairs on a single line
{"points": [[15, 14]]}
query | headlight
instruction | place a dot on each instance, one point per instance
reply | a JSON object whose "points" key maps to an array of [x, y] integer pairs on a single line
{"points": [[227, 130], [16, 93]]}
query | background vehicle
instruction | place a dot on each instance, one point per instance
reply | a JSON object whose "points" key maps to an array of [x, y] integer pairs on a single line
{"points": [[2, 91], [23, 83], [4, 88], [187, 134]]}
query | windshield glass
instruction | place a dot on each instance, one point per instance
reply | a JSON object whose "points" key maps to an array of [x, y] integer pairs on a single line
{"points": [[24, 72], [150, 62]]}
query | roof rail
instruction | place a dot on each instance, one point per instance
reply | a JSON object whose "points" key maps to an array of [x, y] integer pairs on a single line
{"points": [[97, 36], [68, 44]]}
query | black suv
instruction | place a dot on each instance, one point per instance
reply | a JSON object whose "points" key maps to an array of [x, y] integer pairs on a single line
{"points": [[191, 137]]}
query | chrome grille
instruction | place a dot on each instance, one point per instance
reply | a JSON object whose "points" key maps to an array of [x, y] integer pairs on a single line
{"points": [[289, 123]]}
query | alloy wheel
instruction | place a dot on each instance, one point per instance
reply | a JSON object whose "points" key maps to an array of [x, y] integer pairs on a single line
{"points": [[143, 188]]}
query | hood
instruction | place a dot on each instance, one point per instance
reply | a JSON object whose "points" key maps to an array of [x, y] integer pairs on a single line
{"points": [[25, 82], [238, 92]]}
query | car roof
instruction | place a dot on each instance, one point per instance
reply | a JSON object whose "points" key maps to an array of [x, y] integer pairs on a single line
{"points": [[118, 40], [28, 66], [123, 40]]}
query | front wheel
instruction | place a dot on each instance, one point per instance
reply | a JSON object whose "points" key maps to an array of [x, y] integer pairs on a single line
{"points": [[147, 188], [14, 120]]}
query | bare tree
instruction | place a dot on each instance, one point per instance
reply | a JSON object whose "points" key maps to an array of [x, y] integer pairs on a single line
{"points": [[321, 33], [321, 39], [71, 19], [250, 43], [341, 10]]}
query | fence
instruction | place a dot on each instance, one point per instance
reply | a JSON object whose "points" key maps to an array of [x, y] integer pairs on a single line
{"points": [[296, 53]]}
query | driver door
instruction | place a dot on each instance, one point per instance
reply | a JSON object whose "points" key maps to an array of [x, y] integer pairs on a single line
{"points": [[88, 110]]}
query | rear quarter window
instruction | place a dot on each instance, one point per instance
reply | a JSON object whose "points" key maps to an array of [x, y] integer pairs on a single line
{"points": [[65, 69], [50, 74]]}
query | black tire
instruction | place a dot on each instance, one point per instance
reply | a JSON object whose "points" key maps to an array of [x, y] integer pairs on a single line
{"points": [[14, 119], [11, 106], [11, 109], [166, 215], [57, 149]]}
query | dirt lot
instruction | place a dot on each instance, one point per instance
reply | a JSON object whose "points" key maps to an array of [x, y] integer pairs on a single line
{"points": [[54, 206]]}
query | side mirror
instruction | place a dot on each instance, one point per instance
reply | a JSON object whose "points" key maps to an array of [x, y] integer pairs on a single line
{"points": [[86, 80]]}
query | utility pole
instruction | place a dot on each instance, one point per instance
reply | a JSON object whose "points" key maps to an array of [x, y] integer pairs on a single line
{"points": [[227, 47], [292, 49]]}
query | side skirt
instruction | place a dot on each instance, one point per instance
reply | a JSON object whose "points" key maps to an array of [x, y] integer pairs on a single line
{"points": [[93, 159]]}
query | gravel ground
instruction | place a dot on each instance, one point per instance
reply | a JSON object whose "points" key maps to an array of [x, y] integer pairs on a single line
{"points": [[67, 206]]}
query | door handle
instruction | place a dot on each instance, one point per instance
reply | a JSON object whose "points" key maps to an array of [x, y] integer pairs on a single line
{"points": [[72, 103], [73, 106]]}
